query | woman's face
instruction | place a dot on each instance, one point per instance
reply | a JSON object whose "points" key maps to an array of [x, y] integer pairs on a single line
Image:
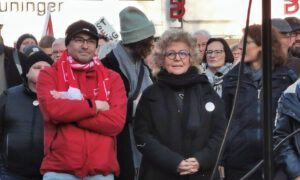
{"points": [[177, 58], [215, 55], [26, 42], [252, 51], [33, 73]]}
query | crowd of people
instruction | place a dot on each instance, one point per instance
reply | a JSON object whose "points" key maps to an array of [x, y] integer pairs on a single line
{"points": [[145, 107]]}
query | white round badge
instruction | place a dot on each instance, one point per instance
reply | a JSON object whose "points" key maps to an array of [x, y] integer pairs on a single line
{"points": [[35, 102], [209, 106]]}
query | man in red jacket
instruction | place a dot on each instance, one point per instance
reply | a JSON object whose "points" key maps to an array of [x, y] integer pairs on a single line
{"points": [[84, 108]]}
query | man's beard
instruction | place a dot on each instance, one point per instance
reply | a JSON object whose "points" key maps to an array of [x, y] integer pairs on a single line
{"points": [[296, 43], [295, 51]]}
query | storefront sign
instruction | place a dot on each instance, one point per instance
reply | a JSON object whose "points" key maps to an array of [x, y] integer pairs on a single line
{"points": [[291, 6], [177, 11]]}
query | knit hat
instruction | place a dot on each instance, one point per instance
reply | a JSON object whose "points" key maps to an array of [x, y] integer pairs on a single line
{"points": [[22, 38], [35, 57], [81, 26], [135, 26], [31, 49], [294, 23], [281, 25]]}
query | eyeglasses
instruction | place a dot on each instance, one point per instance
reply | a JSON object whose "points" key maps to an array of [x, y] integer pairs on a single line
{"points": [[294, 34], [81, 41], [202, 44], [285, 35], [217, 52], [57, 51], [172, 54], [236, 54]]}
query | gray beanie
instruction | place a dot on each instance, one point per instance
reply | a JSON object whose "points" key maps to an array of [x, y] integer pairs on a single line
{"points": [[281, 25], [135, 26]]}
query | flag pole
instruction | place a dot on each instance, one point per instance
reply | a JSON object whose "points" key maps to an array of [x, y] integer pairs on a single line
{"points": [[48, 28]]}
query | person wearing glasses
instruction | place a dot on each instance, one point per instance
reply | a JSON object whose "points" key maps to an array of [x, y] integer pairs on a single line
{"points": [[217, 61], [294, 22], [286, 36], [294, 45], [84, 108], [202, 37], [58, 47], [180, 120], [236, 52], [244, 146]]}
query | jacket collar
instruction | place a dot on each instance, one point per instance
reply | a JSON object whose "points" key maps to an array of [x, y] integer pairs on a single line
{"points": [[289, 103]]}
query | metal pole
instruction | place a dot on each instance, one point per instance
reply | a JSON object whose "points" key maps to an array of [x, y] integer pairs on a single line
{"points": [[267, 89]]}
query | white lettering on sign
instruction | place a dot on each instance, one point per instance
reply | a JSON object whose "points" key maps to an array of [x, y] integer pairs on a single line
{"points": [[106, 29]]}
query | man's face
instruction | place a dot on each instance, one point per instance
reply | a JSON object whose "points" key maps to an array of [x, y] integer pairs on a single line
{"points": [[57, 50], [82, 47], [295, 39], [201, 42], [285, 40], [48, 51]]}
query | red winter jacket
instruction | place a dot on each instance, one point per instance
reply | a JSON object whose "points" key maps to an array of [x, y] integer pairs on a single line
{"points": [[77, 140]]}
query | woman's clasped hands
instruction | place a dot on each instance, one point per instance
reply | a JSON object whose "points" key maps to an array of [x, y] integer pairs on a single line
{"points": [[188, 166]]}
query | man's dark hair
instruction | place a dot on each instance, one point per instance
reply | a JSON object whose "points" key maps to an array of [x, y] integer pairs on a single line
{"points": [[141, 49], [46, 41]]}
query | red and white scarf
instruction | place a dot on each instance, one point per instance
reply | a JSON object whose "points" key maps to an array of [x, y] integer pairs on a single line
{"points": [[67, 83]]}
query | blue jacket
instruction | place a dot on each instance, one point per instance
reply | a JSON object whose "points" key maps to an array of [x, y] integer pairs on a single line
{"points": [[246, 131], [287, 121]]}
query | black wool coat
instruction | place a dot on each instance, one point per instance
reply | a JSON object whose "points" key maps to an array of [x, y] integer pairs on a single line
{"points": [[163, 148]]}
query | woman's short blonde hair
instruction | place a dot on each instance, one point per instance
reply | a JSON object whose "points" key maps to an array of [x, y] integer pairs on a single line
{"points": [[173, 35]]}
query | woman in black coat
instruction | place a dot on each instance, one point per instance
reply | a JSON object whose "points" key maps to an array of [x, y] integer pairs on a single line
{"points": [[180, 120], [21, 125]]}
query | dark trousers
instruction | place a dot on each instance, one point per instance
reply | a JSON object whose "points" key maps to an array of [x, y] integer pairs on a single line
{"points": [[237, 174], [124, 154], [7, 177]]}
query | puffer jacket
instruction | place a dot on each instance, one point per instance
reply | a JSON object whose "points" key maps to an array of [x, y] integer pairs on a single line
{"points": [[21, 125], [288, 121], [246, 128], [77, 140]]}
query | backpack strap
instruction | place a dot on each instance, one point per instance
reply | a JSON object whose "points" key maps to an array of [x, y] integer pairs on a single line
{"points": [[17, 61]]}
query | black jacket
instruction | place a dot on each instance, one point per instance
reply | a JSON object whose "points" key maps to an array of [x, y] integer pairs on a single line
{"points": [[124, 150], [21, 134], [244, 146], [165, 140]]}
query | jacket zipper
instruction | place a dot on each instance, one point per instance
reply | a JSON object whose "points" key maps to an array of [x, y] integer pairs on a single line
{"points": [[258, 134]]}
